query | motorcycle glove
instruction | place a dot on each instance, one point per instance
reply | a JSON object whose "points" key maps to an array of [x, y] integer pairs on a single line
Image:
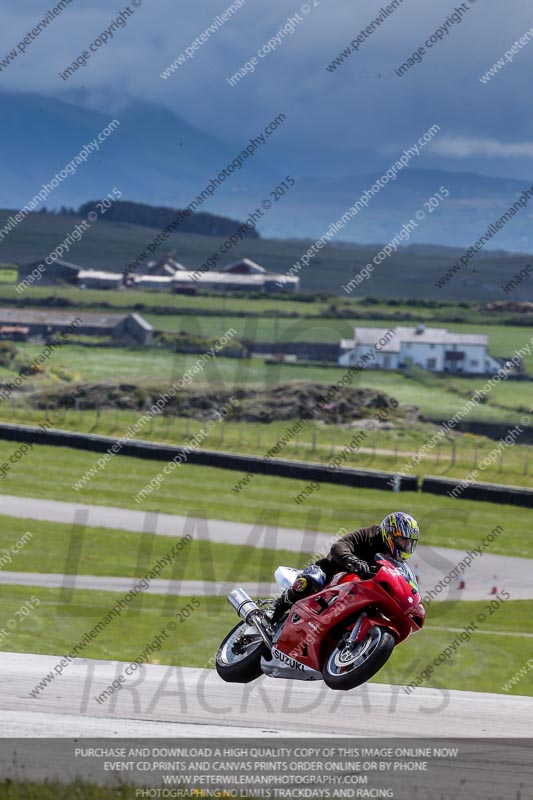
{"points": [[360, 567]]}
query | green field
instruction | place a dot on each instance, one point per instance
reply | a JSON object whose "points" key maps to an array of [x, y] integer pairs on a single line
{"points": [[106, 364], [307, 306], [206, 492]]}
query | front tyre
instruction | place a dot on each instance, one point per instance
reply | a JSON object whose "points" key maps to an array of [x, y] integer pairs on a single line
{"points": [[346, 667], [238, 659]]}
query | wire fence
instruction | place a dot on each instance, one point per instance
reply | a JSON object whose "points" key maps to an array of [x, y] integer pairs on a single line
{"points": [[379, 449]]}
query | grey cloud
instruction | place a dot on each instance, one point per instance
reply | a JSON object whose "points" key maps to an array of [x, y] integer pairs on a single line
{"points": [[361, 108]]}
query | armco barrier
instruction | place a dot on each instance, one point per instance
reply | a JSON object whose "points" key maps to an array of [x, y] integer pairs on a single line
{"points": [[493, 430], [300, 470], [489, 492]]}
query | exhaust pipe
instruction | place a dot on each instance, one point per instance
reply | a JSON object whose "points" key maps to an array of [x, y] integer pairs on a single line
{"points": [[243, 604], [249, 612]]}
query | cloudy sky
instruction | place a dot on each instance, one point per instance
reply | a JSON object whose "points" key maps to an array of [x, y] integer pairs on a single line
{"points": [[347, 121]]}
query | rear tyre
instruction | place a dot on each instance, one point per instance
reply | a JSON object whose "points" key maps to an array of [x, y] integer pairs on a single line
{"points": [[345, 668], [238, 659]]}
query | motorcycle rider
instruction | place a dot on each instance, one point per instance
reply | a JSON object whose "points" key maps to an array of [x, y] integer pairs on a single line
{"points": [[397, 535]]}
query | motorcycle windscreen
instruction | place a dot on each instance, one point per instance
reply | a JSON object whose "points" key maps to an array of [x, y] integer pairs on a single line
{"points": [[403, 568]]}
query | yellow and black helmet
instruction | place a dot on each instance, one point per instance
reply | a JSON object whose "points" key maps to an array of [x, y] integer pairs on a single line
{"points": [[400, 534]]}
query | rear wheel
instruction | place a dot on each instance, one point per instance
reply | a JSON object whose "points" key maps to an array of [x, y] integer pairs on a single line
{"points": [[348, 666], [238, 659]]}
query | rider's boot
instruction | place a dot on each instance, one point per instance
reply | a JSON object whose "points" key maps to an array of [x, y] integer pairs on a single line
{"points": [[279, 607]]}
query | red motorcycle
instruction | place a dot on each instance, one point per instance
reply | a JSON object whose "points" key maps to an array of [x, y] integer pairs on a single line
{"points": [[342, 635]]}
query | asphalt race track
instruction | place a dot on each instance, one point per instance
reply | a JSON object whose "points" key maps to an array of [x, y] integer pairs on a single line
{"points": [[179, 701]]}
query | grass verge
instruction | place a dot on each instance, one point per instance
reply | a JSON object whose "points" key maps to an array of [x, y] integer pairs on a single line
{"points": [[56, 790]]}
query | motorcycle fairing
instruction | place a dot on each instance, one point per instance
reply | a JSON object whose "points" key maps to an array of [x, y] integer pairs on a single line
{"points": [[280, 665], [308, 633]]}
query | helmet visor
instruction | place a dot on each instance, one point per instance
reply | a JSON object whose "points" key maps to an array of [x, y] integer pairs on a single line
{"points": [[407, 546]]}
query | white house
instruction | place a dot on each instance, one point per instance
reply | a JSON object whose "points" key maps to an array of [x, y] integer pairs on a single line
{"points": [[434, 349]]}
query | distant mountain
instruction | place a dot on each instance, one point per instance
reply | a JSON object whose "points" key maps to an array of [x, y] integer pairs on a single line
{"points": [[153, 156], [156, 157]]}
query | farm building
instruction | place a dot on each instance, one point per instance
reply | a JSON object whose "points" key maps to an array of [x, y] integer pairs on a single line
{"points": [[39, 273], [434, 349], [48, 275], [97, 279], [217, 281], [244, 267], [125, 328], [244, 275], [189, 281], [159, 283], [165, 274], [164, 266], [271, 281]]}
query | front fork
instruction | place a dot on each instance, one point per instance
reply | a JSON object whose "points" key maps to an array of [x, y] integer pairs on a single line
{"points": [[365, 622], [353, 637]]}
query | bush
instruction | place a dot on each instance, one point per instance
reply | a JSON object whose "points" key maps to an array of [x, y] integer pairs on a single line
{"points": [[8, 353]]}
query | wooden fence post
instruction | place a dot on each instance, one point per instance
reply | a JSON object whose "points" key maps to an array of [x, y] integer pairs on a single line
{"points": [[454, 450]]}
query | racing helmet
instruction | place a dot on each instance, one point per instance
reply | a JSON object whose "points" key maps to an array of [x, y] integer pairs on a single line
{"points": [[400, 533]]}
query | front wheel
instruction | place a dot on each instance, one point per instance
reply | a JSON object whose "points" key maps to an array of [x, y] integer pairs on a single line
{"points": [[347, 667], [238, 659]]}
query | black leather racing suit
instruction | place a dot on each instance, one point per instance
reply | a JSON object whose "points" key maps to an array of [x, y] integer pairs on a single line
{"points": [[353, 552]]}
